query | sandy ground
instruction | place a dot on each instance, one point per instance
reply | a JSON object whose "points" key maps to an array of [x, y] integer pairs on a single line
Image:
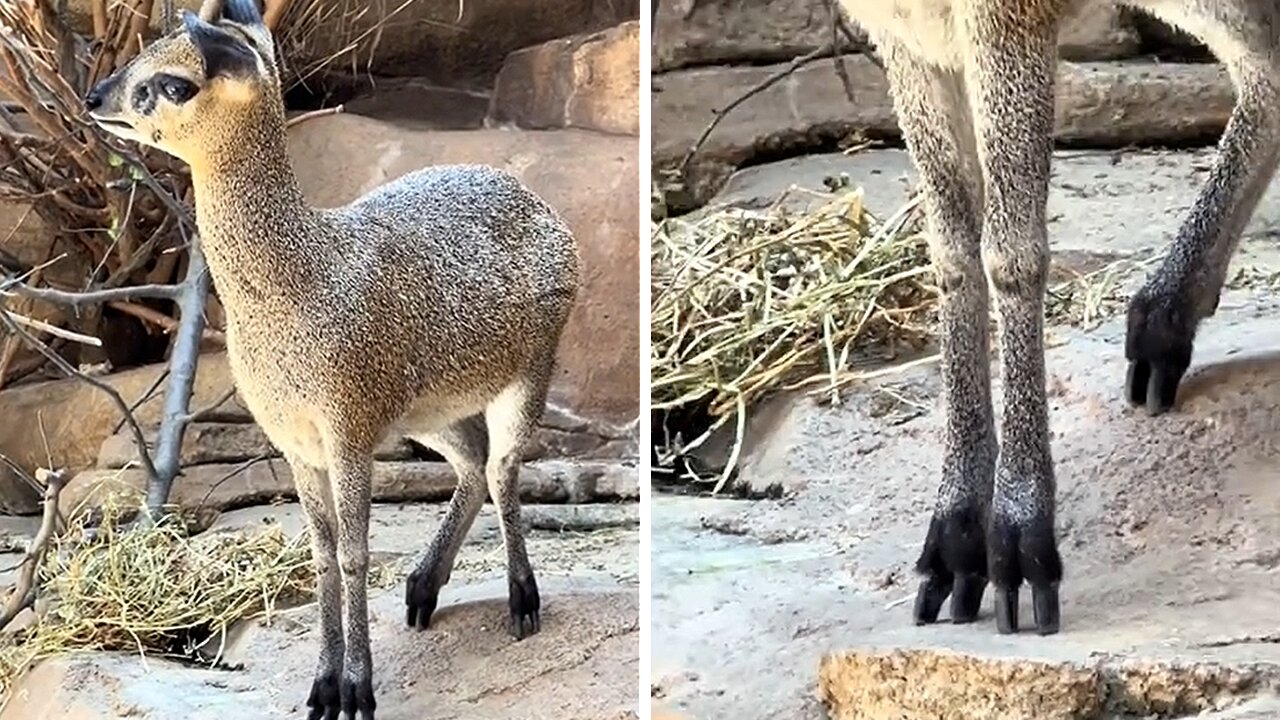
{"points": [[583, 665], [1169, 527]]}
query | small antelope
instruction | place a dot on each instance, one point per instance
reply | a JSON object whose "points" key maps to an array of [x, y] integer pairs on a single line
{"points": [[436, 302]]}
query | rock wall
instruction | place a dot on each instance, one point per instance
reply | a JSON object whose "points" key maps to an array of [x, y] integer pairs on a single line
{"points": [[580, 92], [1116, 88]]}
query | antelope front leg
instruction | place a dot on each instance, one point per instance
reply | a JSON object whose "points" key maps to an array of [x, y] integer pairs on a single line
{"points": [[932, 108], [317, 508], [1010, 66], [350, 475]]}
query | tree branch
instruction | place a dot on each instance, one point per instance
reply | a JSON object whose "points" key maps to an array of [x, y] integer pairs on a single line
{"points": [[182, 375], [24, 592], [89, 297]]}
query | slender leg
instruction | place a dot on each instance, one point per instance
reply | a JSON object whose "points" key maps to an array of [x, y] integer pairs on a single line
{"points": [[1010, 70], [317, 509], [510, 419], [933, 111], [350, 474], [1165, 313], [465, 445]]}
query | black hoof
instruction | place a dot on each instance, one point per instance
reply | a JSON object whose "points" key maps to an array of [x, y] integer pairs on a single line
{"points": [[525, 605], [325, 699], [357, 699], [1028, 552], [1158, 346], [954, 563], [421, 593]]}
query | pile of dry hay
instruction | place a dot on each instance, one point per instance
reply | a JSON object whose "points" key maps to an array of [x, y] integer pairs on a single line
{"points": [[746, 302], [749, 302], [153, 589]]}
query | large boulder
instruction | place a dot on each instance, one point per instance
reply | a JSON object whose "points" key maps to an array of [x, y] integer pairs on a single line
{"points": [[460, 43], [589, 81], [689, 33], [1098, 104]]}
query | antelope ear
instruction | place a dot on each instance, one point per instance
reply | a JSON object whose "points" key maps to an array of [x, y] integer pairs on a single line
{"points": [[244, 12], [224, 54]]}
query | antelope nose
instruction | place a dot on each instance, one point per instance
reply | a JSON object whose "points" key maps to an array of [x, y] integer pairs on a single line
{"points": [[93, 100]]}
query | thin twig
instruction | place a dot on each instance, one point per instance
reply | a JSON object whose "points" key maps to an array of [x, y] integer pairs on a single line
{"points": [[297, 119], [53, 330], [24, 591], [825, 51], [155, 385], [230, 474], [89, 297], [205, 412]]}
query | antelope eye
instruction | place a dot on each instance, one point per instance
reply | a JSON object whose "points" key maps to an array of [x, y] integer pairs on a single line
{"points": [[177, 90]]}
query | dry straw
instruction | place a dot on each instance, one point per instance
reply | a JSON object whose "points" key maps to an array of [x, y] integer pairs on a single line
{"points": [[747, 301], [153, 590]]}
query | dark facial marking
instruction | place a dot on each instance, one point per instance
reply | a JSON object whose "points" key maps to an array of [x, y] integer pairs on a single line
{"points": [[143, 98]]}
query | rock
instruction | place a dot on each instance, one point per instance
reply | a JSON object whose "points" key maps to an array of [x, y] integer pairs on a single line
{"points": [[340, 157], [706, 32], [230, 486], [1101, 31], [583, 81], [72, 419], [583, 664], [1108, 104], [773, 427], [689, 33], [449, 43], [930, 684], [206, 443], [16, 496]]}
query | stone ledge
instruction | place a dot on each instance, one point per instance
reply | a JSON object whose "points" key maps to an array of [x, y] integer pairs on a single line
{"points": [[220, 487], [909, 684], [1098, 104]]}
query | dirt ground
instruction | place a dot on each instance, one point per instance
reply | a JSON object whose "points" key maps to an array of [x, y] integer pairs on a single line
{"points": [[1169, 526], [583, 665]]}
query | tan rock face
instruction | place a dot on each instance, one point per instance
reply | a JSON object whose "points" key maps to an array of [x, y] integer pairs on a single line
{"points": [[591, 179], [1097, 104], [911, 684], [74, 419], [585, 81]]}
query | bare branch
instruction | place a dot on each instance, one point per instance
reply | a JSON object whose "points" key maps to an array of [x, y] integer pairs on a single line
{"points": [[825, 51], [90, 297], [53, 329], [24, 592], [205, 412], [182, 376], [295, 120]]}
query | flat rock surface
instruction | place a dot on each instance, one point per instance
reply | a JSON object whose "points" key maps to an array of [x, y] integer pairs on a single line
{"points": [[1169, 526], [582, 666]]}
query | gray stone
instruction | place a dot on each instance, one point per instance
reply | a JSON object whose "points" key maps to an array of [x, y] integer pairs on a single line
{"points": [[1107, 104], [225, 486]]}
